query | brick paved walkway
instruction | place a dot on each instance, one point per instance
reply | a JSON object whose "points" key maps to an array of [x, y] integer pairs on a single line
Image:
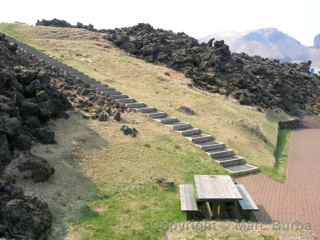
{"points": [[298, 199]]}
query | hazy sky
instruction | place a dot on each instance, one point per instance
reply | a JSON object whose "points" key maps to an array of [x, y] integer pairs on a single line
{"points": [[299, 18]]}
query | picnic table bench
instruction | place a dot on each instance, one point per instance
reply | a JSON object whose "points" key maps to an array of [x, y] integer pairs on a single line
{"points": [[246, 203], [213, 195], [188, 201]]}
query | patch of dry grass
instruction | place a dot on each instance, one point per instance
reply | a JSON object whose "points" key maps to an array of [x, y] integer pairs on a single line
{"points": [[155, 153]]}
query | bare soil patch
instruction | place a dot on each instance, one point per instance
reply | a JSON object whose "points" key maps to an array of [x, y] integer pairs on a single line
{"points": [[68, 189]]}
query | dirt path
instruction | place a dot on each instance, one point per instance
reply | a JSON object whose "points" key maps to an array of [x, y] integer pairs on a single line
{"points": [[298, 199]]}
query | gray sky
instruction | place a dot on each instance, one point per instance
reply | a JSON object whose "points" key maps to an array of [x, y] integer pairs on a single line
{"points": [[299, 18]]}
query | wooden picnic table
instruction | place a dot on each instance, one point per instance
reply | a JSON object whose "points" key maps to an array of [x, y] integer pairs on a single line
{"points": [[215, 191], [216, 187], [215, 196]]}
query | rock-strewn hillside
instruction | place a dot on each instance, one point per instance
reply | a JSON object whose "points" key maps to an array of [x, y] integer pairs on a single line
{"points": [[25, 95], [252, 80], [32, 92]]}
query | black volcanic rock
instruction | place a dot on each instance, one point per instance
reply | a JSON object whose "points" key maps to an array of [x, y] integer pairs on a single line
{"points": [[21, 118], [29, 166], [22, 217], [252, 80], [35, 89], [53, 23], [33, 92], [62, 23], [5, 153]]}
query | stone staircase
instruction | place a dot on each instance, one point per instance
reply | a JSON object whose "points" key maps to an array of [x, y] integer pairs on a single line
{"points": [[234, 164]]}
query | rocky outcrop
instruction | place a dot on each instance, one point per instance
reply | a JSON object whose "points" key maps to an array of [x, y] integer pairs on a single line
{"points": [[53, 23], [62, 23], [252, 80], [316, 42], [27, 103], [33, 91], [22, 217]]}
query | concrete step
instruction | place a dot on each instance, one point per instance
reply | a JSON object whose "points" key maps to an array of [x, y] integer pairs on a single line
{"points": [[190, 132], [116, 97], [109, 90], [168, 120], [158, 115], [181, 126], [135, 105], [113, 93], [231, 161], [126, 100], [202, 138], [212, 146], [221, 153], [243, 169], [147, 110]]}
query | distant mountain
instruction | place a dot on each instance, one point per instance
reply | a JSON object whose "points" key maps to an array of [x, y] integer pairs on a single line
{"points": [[270, 43], [317, 41]]}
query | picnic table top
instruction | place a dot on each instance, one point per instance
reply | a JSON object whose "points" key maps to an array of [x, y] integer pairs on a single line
{"points": [[216, 187]]}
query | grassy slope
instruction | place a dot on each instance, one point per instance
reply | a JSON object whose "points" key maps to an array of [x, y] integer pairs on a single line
{"points": [[249, 132], [135, 206]]}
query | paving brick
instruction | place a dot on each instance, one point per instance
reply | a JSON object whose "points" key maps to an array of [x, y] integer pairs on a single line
{"points": [[298, 199]]}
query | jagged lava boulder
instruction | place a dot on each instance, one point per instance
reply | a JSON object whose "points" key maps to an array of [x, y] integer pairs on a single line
{"points": [[22, 217]]}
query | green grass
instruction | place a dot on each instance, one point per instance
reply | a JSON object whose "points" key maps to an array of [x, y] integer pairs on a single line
{"points": [[134, 206], [141, 213], [137, 207], [279, 170]]}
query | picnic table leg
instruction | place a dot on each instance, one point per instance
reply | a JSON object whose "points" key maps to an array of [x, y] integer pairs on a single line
{"points": [[214, 209], [210, 210], [223, 209]]}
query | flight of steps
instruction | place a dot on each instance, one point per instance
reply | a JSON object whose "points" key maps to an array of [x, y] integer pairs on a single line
{"points": [[234, 164]]}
